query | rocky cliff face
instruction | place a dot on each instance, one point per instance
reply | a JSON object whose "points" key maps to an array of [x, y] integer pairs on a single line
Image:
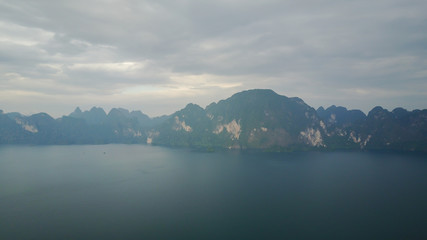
{"points": [[254, 119], [262, 119], [88, 127], [379, 130]]}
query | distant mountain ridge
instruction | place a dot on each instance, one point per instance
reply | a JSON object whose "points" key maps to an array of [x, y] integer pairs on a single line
{"points": [[254, 119]]}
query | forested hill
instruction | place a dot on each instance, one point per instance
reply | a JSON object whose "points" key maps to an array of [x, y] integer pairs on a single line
{"points": [[254, 119]]}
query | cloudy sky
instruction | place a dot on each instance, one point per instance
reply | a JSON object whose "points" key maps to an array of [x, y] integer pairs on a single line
{"points": [[157, 56]]}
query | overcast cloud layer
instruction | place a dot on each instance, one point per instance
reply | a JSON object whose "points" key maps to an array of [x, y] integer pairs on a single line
{"points": [[157, 56]]}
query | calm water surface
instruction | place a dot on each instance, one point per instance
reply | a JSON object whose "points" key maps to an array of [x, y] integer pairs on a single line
{"points": [[143, 192]]}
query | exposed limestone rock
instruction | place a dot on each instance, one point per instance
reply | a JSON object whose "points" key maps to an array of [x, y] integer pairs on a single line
{"points": [[322, 125], [309, 115], [218, 129], [325, 130], [341, 133], [132, 132], [151, 135], [27, 127], [181, 125], [354, 138], [232, 127], [363, 145], [312, 137], [332, 119]]}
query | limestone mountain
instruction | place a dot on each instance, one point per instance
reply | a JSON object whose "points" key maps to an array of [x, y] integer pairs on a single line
{"points": [[80, 127], [255, 119], [343, 127], [94, 116], [397, 130], [379, 130]]}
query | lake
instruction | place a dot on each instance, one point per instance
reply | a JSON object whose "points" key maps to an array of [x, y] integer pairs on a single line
{"points": [[145, 192]]}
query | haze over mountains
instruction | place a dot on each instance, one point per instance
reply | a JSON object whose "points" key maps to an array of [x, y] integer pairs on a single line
{"points": [[254, 119]]}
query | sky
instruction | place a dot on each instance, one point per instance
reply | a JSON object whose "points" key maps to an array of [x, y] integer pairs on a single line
{"points": [[157, 56]]}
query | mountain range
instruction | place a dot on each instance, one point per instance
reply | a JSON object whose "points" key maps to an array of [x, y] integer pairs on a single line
{"points": [[258, 119]]}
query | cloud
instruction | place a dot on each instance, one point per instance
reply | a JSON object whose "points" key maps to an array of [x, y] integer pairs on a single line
{"points": [[125, 52]]}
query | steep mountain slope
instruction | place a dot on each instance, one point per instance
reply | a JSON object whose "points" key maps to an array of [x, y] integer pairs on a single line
{"points": [[189, 127], [339, 116], [11, 131], [397, 130], [380, 130], [94, 116], [343, 127], [256, 119], [88, 127], [267, 120]]}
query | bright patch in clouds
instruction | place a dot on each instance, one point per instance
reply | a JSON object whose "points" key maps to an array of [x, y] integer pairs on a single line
{"points": [[123, 67], [19, 35]]}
